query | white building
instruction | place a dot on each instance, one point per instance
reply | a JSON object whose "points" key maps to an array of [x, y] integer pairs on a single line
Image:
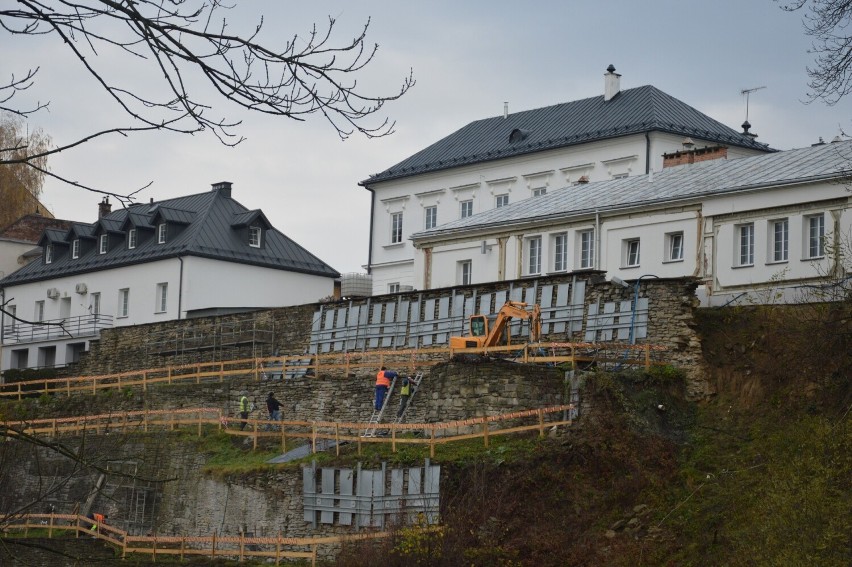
{"points": [[775, 224], [499, 161], [191, 256]]}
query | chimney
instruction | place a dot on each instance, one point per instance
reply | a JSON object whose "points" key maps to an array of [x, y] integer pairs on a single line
{"points": [[223, 188], [506, 109], [690, 154], [746, 127], [104, 207], [612, 83]]}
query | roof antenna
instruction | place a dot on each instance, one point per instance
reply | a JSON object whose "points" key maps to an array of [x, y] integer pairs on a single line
{"points": [[748, 92]]}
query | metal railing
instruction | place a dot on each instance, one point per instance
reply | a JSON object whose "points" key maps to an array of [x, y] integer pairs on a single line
{"points": [[54, 329]]}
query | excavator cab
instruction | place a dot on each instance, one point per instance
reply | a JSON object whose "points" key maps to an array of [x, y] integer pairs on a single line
{"points": [[478, 326]]}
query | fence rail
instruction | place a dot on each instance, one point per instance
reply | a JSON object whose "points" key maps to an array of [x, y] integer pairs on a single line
{"points": [[319, 434], [340, 364], [240, 547]]}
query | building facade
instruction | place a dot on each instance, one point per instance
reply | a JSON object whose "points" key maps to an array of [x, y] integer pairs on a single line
{"points": [[187, 257], [500, 161]]}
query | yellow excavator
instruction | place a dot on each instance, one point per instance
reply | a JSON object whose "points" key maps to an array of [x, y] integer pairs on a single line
{"points": [[486, 333]]}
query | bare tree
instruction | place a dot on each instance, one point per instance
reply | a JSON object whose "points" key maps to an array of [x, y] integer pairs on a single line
{"points": [[182, 41], [829, 23]]}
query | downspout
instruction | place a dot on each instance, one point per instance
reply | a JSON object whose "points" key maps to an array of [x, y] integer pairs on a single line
{"points": [[180, 287], [647, 153], [597, 240], [2, 328], [370, 241]]}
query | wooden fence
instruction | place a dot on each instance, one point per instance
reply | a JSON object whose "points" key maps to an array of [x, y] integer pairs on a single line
{"points": [[341, 364], [318, 433], [240, 547]]}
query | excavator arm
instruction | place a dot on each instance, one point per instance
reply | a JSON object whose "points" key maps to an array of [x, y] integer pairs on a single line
{"points": [[514, 310]]}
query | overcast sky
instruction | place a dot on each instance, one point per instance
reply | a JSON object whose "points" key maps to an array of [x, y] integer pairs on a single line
{"points": [[468, 58]]}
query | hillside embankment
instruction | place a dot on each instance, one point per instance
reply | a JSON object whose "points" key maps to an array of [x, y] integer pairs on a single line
{"points": [[758, 473]]}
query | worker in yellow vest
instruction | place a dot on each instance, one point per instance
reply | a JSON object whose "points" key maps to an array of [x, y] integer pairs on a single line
{"points": [[404, 393]]}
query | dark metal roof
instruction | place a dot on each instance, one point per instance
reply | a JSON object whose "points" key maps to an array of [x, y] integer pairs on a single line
{"points": [[632, 111], [248, 217], [674, 184], [207, 232]]}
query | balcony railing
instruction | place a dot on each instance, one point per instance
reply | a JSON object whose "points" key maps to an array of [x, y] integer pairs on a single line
{"points": [[72, 327]]}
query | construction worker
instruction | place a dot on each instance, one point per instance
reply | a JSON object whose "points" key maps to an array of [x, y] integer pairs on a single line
{"points": [[383, 382], [404, 393], [244, 409], [97, 520]]}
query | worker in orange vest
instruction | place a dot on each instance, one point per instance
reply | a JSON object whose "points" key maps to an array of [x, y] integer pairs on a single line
{"points": [[383, 382], [97, 520]]}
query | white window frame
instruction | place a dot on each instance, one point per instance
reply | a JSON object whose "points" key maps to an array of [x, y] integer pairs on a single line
{"points": [[560, 252], [396, 228], [533, 250], [815, 236], [131, 239], [744, 252], [501, 200], [124, 302], [75, 248], [779, 240], [393, 287], [103, 243], [430, 217], [632, 253], [39, 311], [621, 175], [12, 310], [465, 272], [95, 305], [586, 255], [162, 297], [674, 247], [255, 236], [539, 191], [466, 209], [162, 233], [48, 254]]}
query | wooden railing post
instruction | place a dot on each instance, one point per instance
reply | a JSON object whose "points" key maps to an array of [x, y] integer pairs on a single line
{"points": [[541, 423], [393, 437], [432, 443], [647, 356], [485, 432], [254, 443], [313, 437], [337, 438]]}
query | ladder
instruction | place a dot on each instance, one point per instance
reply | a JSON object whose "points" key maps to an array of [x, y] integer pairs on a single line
{"points": [[415, 384], [376, 418]]}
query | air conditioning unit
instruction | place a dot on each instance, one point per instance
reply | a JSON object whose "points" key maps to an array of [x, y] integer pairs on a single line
{"points": [[52, 293], [406, 288], [81, 288]]}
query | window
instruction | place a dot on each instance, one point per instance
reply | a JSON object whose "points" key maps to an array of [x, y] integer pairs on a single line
{"points": [[254, 236], [534, 255], [464, 272], [48, 254], [539, 191], [396, 228], [431, 217], [780, 239], [501, 200], [466, 209], [131, 239], [162, 297], [123, 302], [75, 248], [745, 244], [39, 311], [631, 253], [587, 249], [103, 244], [620, 175], [674, 247], [816, 236], [393, 287], [95, 305], [12, 310], [560, 252], [161, 233]]}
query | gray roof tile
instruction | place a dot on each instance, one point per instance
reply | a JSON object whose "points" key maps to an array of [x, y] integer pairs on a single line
{"points": [[632, 111]]}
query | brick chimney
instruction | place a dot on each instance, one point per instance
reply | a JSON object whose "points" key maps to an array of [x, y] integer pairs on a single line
{"points": [[691, 155], [104, 207], [612, 83], [223, 188]]}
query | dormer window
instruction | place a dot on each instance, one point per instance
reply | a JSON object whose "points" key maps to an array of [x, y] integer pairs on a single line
{"points": [[161, 233], [254, 236], [103, 244], [75, 248], [48, 254], [131, 239]]}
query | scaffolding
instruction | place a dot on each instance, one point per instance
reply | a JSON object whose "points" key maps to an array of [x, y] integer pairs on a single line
{"points": [[227, 339]]}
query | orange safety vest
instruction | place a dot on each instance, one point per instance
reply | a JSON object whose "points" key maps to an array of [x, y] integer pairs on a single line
{"points": [[99, 518], [382, 380]]}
